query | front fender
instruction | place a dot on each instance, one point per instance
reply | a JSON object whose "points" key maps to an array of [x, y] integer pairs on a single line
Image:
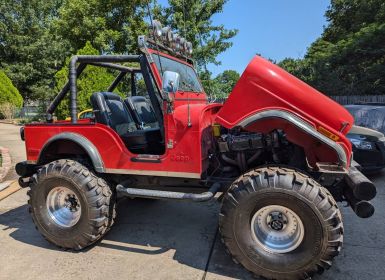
{"points": [[299, 132]]}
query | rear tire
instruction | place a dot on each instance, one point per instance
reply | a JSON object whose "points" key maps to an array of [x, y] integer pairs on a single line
{"points": [[281, 224], [70, 206]]}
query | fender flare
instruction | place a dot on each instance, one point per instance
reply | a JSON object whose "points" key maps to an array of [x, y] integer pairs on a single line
{"points": [[302, 125], [83, 142]]}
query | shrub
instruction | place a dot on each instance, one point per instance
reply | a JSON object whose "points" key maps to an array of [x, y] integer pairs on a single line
{"points": [[10, 98], [7, 110]]}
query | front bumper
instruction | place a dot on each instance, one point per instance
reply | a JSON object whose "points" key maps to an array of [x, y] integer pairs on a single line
{"points": [[26, 169]]}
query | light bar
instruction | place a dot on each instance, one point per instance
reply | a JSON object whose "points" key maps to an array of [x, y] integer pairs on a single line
{"points": [[170, 39], [167, 34], [156, 28]]}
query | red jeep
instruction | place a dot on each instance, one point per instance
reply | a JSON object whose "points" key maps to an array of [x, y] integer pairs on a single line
{"points": [[276, 150]]}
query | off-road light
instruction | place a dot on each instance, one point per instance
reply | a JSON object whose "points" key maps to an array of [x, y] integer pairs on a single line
{"points": [[182, 43], [156, 28], [167, 34], [189, 47], [169, 38], [175, 42]]}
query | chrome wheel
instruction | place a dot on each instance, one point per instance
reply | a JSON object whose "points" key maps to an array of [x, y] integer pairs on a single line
{"points": [[277, 229], [63, 206]]}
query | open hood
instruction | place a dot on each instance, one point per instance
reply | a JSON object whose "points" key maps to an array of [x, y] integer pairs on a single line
{"points": [[265, 86]]}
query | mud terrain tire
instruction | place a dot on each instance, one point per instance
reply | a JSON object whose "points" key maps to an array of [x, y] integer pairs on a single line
{"points": [[63, 182], [307, 204]]}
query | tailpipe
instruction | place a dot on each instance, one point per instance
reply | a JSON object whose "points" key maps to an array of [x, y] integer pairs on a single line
{"points": [[362, 208], [361, 186]]}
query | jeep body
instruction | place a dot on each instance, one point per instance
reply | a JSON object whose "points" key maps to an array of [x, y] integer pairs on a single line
{"points": [[275, 142]]}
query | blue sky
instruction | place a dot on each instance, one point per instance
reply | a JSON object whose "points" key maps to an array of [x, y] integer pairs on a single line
{"points": [[274, 28]]}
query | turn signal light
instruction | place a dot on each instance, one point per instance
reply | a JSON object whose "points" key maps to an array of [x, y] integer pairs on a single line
{"points": [[328, 134], [216, 130]]}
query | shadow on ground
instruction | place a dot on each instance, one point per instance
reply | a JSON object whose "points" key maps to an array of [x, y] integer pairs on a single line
{"points": [[170, 240], [188, 231]]}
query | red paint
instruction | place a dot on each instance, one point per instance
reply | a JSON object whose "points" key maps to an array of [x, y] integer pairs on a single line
{"points": [[262, 86], [114, 153]]}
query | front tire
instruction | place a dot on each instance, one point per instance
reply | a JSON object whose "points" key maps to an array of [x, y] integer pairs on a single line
{"points": [[70, 206], [281, 224]]}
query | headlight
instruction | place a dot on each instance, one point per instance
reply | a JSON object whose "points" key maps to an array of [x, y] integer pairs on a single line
{"points": [[363, 145]]}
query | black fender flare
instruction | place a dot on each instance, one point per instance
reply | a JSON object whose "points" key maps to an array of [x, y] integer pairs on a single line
{"points": [[83, 142]]}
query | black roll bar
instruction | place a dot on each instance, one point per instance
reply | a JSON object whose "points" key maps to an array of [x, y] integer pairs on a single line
{"points": [[116, 81], [52, 107], [106, 61], [121, 68]]}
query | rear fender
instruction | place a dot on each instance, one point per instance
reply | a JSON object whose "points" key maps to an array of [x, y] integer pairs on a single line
{"points": [[318, 148], [82, 142]]}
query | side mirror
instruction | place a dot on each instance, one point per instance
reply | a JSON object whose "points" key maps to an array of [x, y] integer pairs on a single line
{"points": [[170, 83]]}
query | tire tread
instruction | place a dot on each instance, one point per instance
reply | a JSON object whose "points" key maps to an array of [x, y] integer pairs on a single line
{"points": [[100, 199], [307, 188]]}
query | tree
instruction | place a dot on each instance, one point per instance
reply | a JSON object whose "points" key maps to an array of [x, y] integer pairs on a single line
{"points": [[221, 85], [93, 79], [112, 26], [346, 17], [192, 19], [29, 53], [349, 57], [226, 82], [37, 35]]}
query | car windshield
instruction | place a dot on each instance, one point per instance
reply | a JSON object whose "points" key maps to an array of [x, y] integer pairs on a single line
{"points": [[368, 116], [188, 77]]}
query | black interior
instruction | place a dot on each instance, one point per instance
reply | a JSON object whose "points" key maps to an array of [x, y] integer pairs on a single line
{"points": [[142, 111], [110, 110]]}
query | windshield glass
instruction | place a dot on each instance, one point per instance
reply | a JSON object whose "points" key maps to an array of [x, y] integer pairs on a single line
{"points": [[188, 78]]}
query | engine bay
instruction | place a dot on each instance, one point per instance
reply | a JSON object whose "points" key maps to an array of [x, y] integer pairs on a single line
{"points": [[239, 150]]}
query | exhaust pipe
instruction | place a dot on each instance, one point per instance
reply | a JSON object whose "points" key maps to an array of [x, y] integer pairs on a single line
{"points": [[362, 208], [361, 186]]}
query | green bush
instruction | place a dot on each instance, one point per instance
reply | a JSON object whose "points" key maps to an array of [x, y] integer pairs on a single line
{"points": [[10, 98], [8, 92]]}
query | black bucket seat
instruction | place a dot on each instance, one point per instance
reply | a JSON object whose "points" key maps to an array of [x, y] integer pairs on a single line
{"points": [[142, 111], [110, 110]]}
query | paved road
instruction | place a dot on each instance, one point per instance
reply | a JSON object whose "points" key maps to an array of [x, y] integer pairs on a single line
{"points": [[163, 240]]}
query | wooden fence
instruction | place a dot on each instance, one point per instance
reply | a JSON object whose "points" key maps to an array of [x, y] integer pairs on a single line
{"points": [[354, 99]]}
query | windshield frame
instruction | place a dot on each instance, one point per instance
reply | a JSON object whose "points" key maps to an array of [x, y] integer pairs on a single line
{"points": [[155, 58]]}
